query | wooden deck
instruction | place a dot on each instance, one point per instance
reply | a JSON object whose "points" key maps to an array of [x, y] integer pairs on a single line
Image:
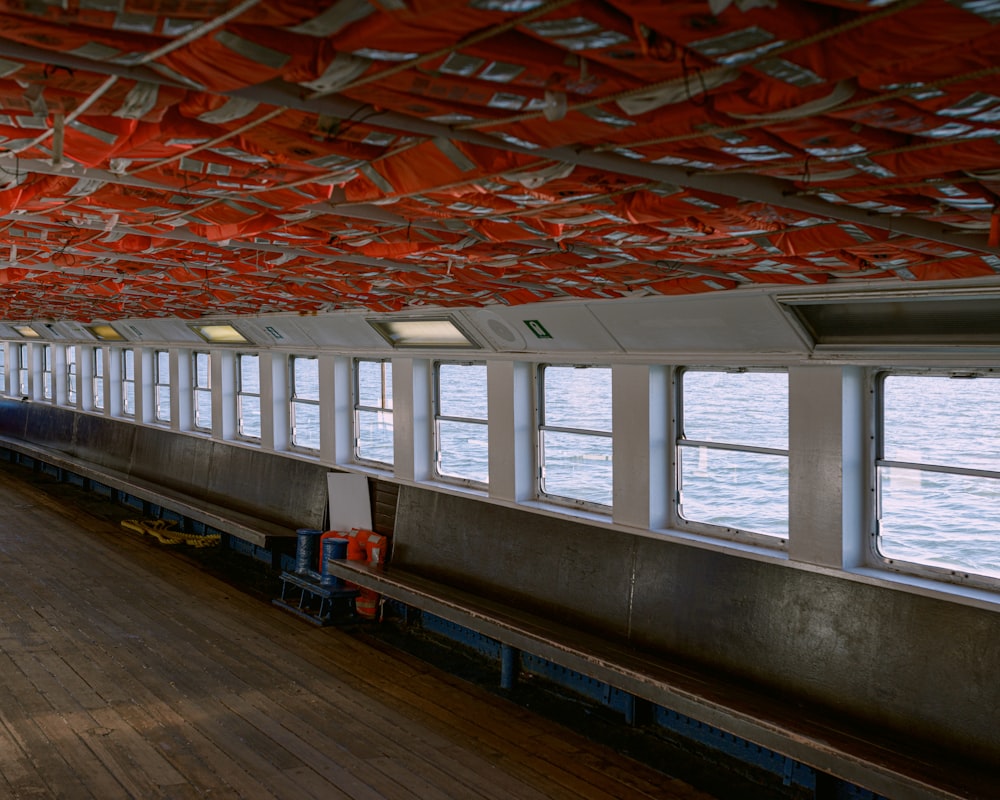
{"points": [[128, 673]]}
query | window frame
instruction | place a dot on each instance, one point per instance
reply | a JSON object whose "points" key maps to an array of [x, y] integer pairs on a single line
{"points": [[71, 353], [541, 427], [680, 441], [358, 408], [197, 389], [48, 383], [242, 393], [97, 382], [938, 573], [158, 384], [23, 369], [295, 400], [439, 417], [127, 366]]}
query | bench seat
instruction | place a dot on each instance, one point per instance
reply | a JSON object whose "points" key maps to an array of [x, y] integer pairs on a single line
{"points": [[833, 747], [243, 526]]}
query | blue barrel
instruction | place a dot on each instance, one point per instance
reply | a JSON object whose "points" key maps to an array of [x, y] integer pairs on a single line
{"points": [[332, 549], [305, 550]]}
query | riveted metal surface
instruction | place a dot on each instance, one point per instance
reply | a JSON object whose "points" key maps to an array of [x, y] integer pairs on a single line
{"points": [[279, 489], [913, 663], [546, 565], [104, 441], [13, 418], [178, 462]]}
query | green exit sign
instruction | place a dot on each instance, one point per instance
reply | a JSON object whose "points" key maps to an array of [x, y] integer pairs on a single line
{"points": [[538, 329]]}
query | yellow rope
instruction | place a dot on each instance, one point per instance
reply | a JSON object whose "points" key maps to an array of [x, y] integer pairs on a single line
{"points": [[160, 529]]}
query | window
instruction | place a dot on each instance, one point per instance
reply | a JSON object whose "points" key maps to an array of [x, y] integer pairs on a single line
{"points": [[460, 422], [161, 371], [248, 395], [938, 472], [373, 411], [574, 443], [202, 389], [47, 371], [732, 450], [23, 365], [71, 390], [128, 382], [304, 404], [98, 385]]}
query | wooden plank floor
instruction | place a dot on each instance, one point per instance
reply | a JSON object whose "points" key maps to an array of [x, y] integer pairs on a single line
{"points": [[128, 673]]}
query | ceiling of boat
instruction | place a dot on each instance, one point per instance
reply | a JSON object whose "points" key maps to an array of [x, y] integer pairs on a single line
{"points": [[201, 157]]}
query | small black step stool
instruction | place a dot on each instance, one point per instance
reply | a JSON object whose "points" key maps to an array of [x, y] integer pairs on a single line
{"points": [[320, 605]]}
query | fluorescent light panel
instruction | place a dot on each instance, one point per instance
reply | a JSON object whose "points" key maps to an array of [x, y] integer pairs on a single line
{"points": [[105, 333], [27, 331], [220, 334], [440, 332]]}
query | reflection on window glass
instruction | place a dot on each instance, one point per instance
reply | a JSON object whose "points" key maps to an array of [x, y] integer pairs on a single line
{"points": [[248, 395], [373, 429], [574, 446], [202, 386], [460, 425], [98, 383], [733, 450], [71, 374], [161, 369], [128, 382], [938, 472], [304, 405], [23, 365], [47, 371]]}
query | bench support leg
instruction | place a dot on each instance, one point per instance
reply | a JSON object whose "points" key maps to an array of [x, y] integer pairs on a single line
{"points": [[510, 658], [830, 788], [638, 711]]}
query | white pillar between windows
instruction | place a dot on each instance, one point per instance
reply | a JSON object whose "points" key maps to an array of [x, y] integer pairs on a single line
{"points": [[85, 378], [639, 445], [58, 355], [145, 389], [113, 381], [413, 450], [510, 387], [35, 371], [274, 415], [335, 428], [224, 394], [826, 457], [173, 370], [182, 396]]}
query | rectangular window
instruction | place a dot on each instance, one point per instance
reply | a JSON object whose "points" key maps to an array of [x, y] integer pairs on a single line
{"points": [[373, 411], [460, 423], [98, 385], [128, 382], [23, 365], [938, 473], [732, 450], [161, 371], [47, 371], [71, 375], [248, 395], [304, 403], [202, 388], [574, 442]]}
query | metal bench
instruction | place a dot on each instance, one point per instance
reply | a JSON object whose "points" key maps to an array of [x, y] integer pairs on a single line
{"points": [[841, 751], [227, 520]]}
